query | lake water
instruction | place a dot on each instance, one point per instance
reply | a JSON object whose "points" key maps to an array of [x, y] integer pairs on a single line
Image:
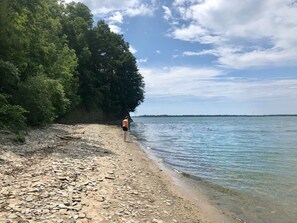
{"points": [[248, 164]]}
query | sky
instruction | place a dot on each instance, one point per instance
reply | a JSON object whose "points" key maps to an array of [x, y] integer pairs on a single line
{"points": [[210, 57]]}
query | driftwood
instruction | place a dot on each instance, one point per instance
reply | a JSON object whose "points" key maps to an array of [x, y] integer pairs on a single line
{"points": [[68, 137]]}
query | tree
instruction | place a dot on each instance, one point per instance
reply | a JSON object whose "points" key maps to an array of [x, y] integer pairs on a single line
{"points": [[52, 59], [9, 78], [115, 69], [132, 84], [12, 117], [77, 23], [36, 46], [44, 98]]}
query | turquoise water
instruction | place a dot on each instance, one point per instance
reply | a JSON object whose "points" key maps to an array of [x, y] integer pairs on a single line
{"points": [[249, 164]]}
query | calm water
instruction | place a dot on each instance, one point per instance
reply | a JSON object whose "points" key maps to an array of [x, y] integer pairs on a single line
{"points": [[249, 164]]}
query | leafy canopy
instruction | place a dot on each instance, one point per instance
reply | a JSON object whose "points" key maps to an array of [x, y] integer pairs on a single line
{"points": [[53, 61]]}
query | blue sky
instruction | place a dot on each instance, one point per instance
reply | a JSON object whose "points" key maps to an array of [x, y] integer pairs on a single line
{"points": [[210, 56]]}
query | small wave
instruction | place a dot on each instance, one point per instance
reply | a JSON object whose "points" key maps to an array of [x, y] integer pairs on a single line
{"points": [[291, 130], [212, 185], [141, 139], [231, 157], [190, 176], [177, 171], [162, 150], [175, 164]]}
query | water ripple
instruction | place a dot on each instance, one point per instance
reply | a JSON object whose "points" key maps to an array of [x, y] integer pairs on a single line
{"points": [[251, 161]]}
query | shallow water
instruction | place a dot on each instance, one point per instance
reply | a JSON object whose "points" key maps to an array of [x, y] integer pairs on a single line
{"points": [[248, 164]]}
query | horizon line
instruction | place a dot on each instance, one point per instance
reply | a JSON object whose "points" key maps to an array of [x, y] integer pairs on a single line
{"points": [[165, 115]]}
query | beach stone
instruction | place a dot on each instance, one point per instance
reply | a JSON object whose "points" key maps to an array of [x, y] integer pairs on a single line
{"points": [[63, 211], [12, 216], [157, 221], [62, 206], [101, 199], [29, 198], [110, 177], [76, 181], [45, 211], [81, 215], [82, 221], [5, 192], [75, 217]]}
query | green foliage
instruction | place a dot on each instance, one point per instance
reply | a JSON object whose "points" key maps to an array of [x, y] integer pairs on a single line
{"points": [[12, 117], [20, 137], [52, 59], [9, 77], [5, 29], [44, 99], [132, 83], [43, 77], [63, 69], [77, 23], [115, 71]]}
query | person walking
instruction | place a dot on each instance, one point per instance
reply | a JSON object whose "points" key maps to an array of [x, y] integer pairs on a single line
{"points": [[125, 127]]}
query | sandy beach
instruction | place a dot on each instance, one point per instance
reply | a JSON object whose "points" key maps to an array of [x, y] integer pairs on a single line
{"points": [[87, 173]]}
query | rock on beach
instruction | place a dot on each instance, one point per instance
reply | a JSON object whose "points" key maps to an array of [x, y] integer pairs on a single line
{"points": [[85, 173]]}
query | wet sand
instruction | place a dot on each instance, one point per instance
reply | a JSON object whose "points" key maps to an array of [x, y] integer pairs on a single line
{"points": [[87, 173]]}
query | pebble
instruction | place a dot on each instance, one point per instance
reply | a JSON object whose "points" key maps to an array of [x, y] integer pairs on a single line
{"points": [[157, 221], [53, 185], [61, 191]]}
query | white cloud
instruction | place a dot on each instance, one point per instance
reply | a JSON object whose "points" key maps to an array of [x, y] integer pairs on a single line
{"points": [[142, 60], [117, 17], [158, 51], [139, 10], [183, 2], [176, 80], [127, 7], [211, 83], [167, 13], [115, 28], [195, 33], [114, 21], [233, 57], [113, 12], [132, 49], [105, 6], [260, 58], [264, 31], [200, 53]]}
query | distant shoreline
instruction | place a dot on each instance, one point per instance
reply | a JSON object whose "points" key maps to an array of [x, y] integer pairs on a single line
{"points": [[276, 115]]}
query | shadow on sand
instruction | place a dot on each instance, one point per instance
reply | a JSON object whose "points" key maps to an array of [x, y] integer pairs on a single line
{"points": [[41, 143]]}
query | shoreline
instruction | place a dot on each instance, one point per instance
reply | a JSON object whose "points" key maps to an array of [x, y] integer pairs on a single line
{"points": [[191, 191], [86, 173]]}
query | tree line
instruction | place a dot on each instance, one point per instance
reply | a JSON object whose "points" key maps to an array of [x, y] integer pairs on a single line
{"points": [[53, 59]]}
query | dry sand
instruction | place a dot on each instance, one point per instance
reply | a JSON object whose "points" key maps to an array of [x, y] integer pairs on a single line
{"points": [[86, 173]]}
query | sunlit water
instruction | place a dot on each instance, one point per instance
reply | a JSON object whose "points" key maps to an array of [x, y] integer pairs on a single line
{"points": [[249, 164]]}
